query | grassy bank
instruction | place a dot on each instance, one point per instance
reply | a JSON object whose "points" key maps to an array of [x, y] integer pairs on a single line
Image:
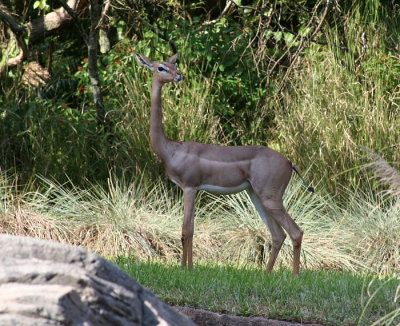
{"points": [[326, 297]]}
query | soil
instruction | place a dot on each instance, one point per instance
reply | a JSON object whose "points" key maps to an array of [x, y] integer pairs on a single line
{"points": [[208, 318]]}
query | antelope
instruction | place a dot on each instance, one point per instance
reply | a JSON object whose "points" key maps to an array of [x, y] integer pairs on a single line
{"points": [[261, 171]]}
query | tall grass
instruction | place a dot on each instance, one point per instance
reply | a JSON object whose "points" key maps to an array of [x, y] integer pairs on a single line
{"points": [[187, 110], [329, 115], [129, 219], [39, 135], [384, 172], [334, 102], [328, 107]]}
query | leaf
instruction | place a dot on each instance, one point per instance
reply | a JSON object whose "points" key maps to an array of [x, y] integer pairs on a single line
{"points": [[36, 4], [278, 36], [303, 30], [229, 61], [288, 37]]}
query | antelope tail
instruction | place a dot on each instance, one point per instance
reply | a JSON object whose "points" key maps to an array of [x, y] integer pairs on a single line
{"points": [[306, 184]]}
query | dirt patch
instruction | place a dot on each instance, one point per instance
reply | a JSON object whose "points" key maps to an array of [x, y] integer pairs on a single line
{"points": [[208, 318]]}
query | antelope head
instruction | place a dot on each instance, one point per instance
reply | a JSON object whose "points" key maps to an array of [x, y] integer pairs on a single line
{"points": [[164, 71]]}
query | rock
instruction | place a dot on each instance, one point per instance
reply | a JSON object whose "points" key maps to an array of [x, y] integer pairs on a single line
{"points": [[209, 318], [49, 283]]}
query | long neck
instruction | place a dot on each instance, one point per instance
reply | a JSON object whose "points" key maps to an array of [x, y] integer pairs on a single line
{"points": [[158, 139]]}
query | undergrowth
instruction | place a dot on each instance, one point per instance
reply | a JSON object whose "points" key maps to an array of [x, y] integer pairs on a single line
{"points": [[239, 88], [130, 219]]}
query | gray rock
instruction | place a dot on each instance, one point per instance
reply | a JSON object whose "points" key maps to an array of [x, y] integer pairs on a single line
{"points": [[209, 318], [48, 283]]}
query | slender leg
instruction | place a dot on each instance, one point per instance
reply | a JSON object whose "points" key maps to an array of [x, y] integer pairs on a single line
{"points": [[277, 233], [296, 234], [189, 195]]}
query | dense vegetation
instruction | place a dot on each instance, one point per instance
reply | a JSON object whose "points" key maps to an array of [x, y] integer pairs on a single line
{"points": [[312, 79], [315, 80]]}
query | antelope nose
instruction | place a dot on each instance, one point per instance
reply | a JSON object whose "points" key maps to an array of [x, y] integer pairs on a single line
{"points": [[178, 77]]}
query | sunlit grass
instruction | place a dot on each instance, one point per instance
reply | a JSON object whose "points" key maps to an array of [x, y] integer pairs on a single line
{"points": [[318, 296], [349, 258], [330, 107], [127, 218]]}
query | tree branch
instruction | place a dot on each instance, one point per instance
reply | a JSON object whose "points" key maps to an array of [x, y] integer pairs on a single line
{"points": [[10, 21], [222, 14], [260, 11], [76, 20], [18, 30], [104, 12], [51, 21]]}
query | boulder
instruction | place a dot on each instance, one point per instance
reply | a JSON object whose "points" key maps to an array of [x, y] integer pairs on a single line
{"points": [[49, 283], [209, 318]]}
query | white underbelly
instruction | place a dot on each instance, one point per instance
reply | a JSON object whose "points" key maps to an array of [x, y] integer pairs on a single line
{"points": [[218, 190]]}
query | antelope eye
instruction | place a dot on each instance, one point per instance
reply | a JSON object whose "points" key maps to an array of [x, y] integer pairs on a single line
{"points": [[160, 68]]}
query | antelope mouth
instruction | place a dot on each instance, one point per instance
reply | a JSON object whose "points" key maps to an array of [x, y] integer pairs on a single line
{"points": [[178, 77]]}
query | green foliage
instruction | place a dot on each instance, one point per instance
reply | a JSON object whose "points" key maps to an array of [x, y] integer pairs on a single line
{"points": [[234, 67], [220, 52], [51, 138], [41, 4]]}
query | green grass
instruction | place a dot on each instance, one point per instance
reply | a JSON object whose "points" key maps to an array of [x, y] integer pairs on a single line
{"points": [[322, 296]]}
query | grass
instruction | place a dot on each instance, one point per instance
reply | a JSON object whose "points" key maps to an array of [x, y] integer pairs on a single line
{"points": [[350, 253], [327, 108], [145, 222], [329, 116], [316, 296]]}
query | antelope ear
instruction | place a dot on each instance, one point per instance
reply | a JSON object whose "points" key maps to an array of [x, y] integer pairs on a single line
{"points": [[145, 61], [173, 58]]}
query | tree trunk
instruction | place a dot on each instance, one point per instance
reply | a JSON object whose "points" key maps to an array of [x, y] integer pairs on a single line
{"points": [[93, 50]]}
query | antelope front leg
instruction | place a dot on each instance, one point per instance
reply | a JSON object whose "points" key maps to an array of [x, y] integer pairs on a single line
{"points": [[189, 195]]}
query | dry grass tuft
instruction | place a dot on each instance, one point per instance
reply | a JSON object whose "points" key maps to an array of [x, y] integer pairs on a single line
{"points": [[386, 174], [128, 220]]}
